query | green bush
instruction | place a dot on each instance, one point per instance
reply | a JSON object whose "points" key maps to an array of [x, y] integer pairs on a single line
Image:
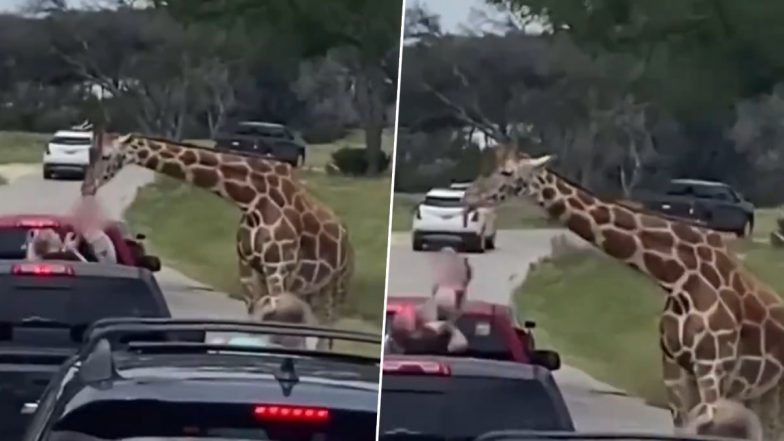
{"points": [[353, 161]]}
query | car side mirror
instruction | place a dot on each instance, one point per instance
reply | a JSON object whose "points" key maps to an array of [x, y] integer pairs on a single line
{"points": [[550, 360], [152, 263], [529, 324], [141, 236]]}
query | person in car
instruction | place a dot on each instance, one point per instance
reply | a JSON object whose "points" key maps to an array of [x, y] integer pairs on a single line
{"points": [[89, 222], [428, 328], [46, 244]]}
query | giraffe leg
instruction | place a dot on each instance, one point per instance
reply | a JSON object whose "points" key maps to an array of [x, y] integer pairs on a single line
{"points": [[682, 391], [252, 282], [768, 409]]}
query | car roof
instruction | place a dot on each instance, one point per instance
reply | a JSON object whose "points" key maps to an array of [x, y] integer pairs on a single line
{"points": [[446, 193], [74, 134], [698, 182], [479, 367], [237, 378], [478, 307], [86, 269]]}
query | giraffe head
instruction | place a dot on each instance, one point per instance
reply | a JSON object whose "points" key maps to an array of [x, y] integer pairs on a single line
{"points": [[108, 155], [514, 174]]}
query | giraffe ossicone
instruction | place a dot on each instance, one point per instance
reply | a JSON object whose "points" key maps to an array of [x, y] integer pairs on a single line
{"points": [[722, 329], [287, 242]]}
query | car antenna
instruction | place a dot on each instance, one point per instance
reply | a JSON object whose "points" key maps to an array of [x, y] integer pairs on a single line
{"points": [[287, 376]]}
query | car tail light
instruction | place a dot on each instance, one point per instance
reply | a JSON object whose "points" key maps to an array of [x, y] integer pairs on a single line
{"points": [[42, 269], [38, 223], [283, 412], [417, 367], [397, 307]]}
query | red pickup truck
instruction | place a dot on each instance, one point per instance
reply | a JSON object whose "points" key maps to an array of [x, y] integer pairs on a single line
{"points": [[14, 229], [491, 330]]}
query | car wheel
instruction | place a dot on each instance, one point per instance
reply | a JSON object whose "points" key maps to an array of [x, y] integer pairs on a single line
{"points": [[490, 242], [47, 174], [747, 230], [476, 244], [417, 244]]}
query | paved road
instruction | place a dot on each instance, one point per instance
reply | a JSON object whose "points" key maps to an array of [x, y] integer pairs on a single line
{"points": [[186, 297], [594, 405]]}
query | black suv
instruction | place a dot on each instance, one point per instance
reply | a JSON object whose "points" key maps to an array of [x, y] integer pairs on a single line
{"points": [[268, 140], [164, 378], [46, 308]]}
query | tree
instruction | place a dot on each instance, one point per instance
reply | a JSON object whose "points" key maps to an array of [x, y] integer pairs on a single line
{"points": [[367, 30]]}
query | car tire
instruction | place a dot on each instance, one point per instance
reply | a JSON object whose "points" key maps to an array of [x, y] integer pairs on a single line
{"points": [[747, 229], [476, 244], [490, 242], [47, 174], [417, 244]]}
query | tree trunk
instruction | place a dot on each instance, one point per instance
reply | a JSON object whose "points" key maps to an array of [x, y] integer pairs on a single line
{"points": [[370, 103]]}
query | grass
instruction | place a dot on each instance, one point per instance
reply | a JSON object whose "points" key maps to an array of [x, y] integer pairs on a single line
{"points": [[511, 215], [603, 317], [22, 147], [204, 249]]}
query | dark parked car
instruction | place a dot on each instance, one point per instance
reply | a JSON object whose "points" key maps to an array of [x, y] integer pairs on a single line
{"points": [[713, 204], [270, 140]]}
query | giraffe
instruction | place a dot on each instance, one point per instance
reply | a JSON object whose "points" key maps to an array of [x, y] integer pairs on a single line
{"points": [[287, 240], [721, 330]]}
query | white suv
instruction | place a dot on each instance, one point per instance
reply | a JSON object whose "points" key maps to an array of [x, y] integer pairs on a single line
{"points": [[439, 218], [68, 152]]}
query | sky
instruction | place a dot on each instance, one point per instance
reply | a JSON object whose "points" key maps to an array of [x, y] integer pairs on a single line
{"points": [[454, 13]]}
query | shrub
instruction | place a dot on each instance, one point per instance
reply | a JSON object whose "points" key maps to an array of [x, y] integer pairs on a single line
{"points": [[352, 161]]}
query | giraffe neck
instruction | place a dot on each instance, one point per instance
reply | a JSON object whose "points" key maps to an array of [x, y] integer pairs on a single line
{"points": [[232, 177], [655, 246]]}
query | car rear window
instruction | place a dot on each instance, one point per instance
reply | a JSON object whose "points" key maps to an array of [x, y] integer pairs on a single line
{"points": [[446, 202], [70, 140], [75, 300], [448, 406], [211, 420], [714, 192]]}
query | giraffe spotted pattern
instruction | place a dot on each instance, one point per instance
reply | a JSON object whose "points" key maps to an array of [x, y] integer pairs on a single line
{"points": [[721, 330], [287, 241]]}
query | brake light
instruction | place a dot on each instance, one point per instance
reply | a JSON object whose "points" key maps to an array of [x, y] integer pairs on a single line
{"points": [[417, 367], [42, 269], [282, 412], [398, 307], [38, 223]]}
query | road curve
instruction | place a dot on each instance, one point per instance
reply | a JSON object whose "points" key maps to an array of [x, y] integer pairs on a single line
{"points": [[595, 406], [29, 193]]}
